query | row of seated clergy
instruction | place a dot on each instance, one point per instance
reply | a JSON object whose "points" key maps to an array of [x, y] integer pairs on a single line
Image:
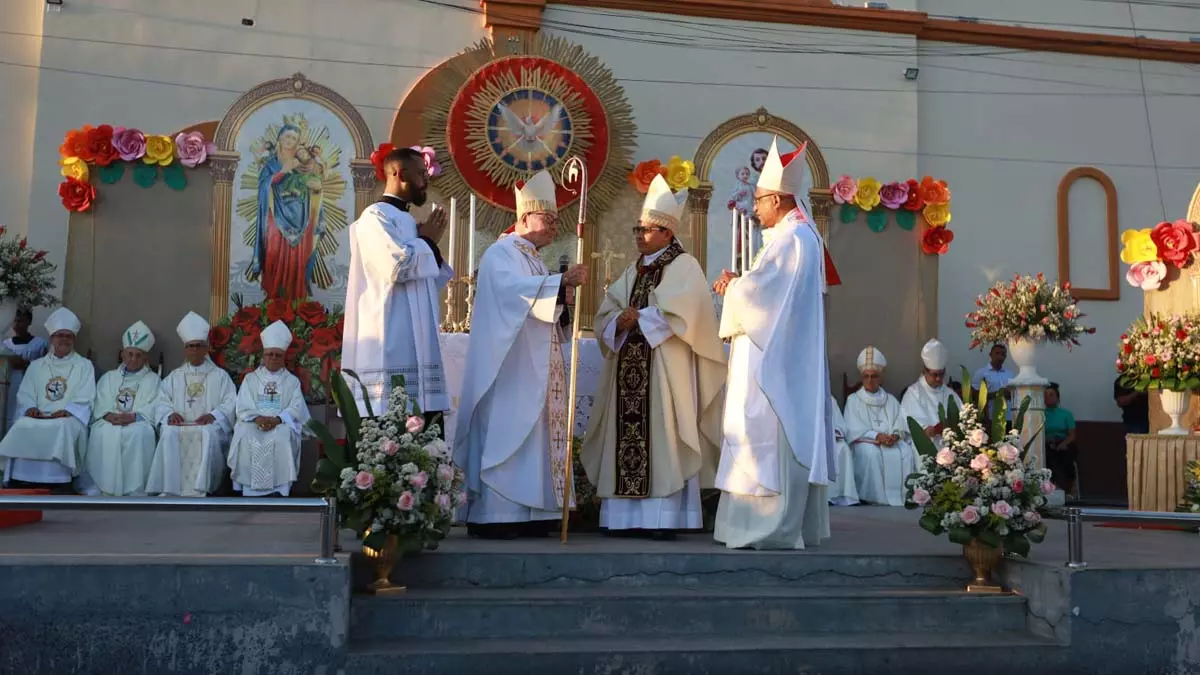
{"points": [[875, 448], [132, 434]]}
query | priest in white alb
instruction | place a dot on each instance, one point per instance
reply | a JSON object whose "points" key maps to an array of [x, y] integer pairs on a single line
{"points": [[271, 413], [843, 491], [195, 416], [511, 436], [929, 394], [47, 444], [396, 270], [121, 443], [884, 455], [777, 454], [654, 436]]}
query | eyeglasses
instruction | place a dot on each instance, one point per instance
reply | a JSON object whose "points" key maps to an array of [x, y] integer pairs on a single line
{"points": [[639, 230]]}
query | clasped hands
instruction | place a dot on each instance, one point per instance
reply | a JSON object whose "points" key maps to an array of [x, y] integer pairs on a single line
{"points": [[886, 440], [176, 420], [434, 225], [722, 282], [120, 419], [267, 423], [627, 319], [39, 415]]}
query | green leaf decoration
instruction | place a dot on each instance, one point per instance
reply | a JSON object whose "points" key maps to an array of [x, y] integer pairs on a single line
{"points": [[347, 407], [145, 175], [877, 220], [931, 523], [174, 177], [990, 538], [999, 419], [1038, 534], [906, 219], [953, 415], [366, 399], [1020, 425], [960, 535], [924, 445], [848, 213], [1017, 544], [112, 173]]}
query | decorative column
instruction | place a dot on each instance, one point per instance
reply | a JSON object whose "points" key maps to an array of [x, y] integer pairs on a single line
{"points": [[1035, 420], [697, 206], [223, 166]]}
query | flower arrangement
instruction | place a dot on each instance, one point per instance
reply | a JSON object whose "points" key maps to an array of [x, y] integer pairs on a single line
{"points": [[1191, 493], [314, 354], [431, 163], [679, 172], [26, 277], [1161, 352], [929, 197], [110, 149], [979, 487], [1151, 252], [393, 476], [1026, 307]]}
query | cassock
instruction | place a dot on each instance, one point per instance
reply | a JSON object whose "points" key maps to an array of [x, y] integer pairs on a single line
{"points": [[264, 462], [391, 321], [844, 491], [922, 401], [52, 450], [119, 456], [879, 471], [29, 351], [654, 437], [777, 452], [190, 458]]}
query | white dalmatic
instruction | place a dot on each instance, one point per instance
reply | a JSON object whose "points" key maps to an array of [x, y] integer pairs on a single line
{"points": [[190, 458], [119, 456], [264, 462], [51, 450], [879, 471], [30, 351], [844, 491], [922, 402], [511, 437]]}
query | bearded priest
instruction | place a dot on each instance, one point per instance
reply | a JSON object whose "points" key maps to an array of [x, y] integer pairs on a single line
{"points": [[121, 445], [778, 454], [924, 397], [878, 434], [655, 438], [47, 445], [511, 438]]}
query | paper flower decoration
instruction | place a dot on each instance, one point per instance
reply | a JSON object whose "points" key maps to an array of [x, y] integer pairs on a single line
{"points": [[192, 149], [937, 214], [644, 173], [76, 195], [681, 174], [844, 190], [915, 202], [934, 191], [73, 167], [130, 144], [431, 163], [1137, 246], [1147, 276], [1176, 242], [100, 148], [160, 150], [867, 196], [936, 240], [893, 195], [75, 144]]}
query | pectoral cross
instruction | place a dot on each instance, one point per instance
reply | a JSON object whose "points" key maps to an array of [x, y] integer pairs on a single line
{"points": [[608, 255]]}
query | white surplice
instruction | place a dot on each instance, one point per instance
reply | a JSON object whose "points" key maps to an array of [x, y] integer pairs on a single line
{"points": [[778, 454], [51, 450], [263, 462], [118, 457], [879, 472], [31, 351], [511, 437], [391, 322], [190, 459], [844, 491], [921, 402]]}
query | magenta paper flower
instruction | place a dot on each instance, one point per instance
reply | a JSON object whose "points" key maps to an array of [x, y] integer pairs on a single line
{"points": [[893, 195], [130, 144], [844, 190], [431, 163], [192, 149]]}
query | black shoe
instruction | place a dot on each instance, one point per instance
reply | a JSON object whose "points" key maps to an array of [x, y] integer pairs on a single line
{"points": [[493, 530], [536, 529], [663, 535]]}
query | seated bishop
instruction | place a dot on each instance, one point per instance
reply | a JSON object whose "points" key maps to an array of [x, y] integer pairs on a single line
{"points": [[511, 436], [925, 398], [844, 491], [47, 445], [271, 413], [121, 445], [878, 434], [655, 436], [195, 415]]}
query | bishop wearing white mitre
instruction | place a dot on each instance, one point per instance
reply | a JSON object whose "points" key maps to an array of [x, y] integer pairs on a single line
{"points": [[195, 415], [47, 445], [271, 414], [511, 438], [883, 453], [777, 454], [121, 445], [655, 436], [924, 397], [844, 491]]}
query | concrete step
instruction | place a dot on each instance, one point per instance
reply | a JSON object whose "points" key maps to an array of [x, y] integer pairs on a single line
{"points": [[422, 614], [978, 653]]}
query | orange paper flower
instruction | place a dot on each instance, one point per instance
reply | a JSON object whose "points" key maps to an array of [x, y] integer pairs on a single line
{"points": [[644, 173], [75, 144], [934, 191]]}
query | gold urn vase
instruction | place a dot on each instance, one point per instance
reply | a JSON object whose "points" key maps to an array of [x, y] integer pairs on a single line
{"points": [[384, 560], [983, 560]]}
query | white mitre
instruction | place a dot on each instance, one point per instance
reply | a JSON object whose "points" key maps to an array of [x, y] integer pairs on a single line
{"points": [[62, 319], [871, 359], [276, 336], [537, 195], [193, 328], [138, 336], [661, 206], [935, 355], [783, 173]]}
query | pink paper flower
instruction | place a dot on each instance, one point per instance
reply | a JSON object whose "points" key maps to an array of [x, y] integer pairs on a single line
{"points": [[920, 497], [844, 190], [970, 515], [981, 462], [389, 447], [893, 195], [364, 480], [419, 481], [945, 457], [406, 501], [1047, 487], [1147, 276], [431, 163], [130, 144], [1002, 509], [977, 438], [415, 424], [444, 502], [445, 473], [1032, 517], [192, 149], [1008, 454]]}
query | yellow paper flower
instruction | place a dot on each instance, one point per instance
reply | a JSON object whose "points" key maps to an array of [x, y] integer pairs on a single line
{"points": [[1138, 247], [937, 215], [73, 167], [867, 196], [159, 150], [681, 174]]}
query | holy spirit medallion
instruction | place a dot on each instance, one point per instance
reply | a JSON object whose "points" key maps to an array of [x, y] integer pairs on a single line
{"points": [[194, 390], [125, 399], [56, 388]]}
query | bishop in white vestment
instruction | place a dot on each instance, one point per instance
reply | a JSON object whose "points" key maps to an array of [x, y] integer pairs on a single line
{"points": [[654, 437], [884, 455], [195, 416], [271, 413], [121, 444], [924, 398], [844, 491], [777, 454], [47, 445], [396, 270], [511, 435]]}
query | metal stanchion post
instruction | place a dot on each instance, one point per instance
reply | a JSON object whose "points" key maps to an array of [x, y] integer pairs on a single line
{"points": [[328, 531], [1075, 538]]}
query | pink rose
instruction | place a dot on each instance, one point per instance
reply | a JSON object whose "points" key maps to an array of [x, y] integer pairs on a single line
{"points": [[445, 473], [844, 190], [406, 501], [192, 149], [920, 497], [130, 144], [1008, 454], [970, 515], [1047, 487], [1147, 276], [1002, 509], [389, 447], [419, 481], [431, 163], [945, 457], [444, 502], [893, 195], [415, 424], [981, 462], [364, 480], [977, 438], [1018, 486], [460, 498], [1032, 517]]}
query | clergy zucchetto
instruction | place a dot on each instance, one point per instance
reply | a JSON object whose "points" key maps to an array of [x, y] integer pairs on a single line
{"points": [[195, 415], [924, 398], [878, 434], [511, 437], [271, 413], [121, 445], [48, 444], [654, 435]]}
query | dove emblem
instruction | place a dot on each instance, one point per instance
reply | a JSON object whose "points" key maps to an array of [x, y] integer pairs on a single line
{"points": [[529, 130], [529, 136]]}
